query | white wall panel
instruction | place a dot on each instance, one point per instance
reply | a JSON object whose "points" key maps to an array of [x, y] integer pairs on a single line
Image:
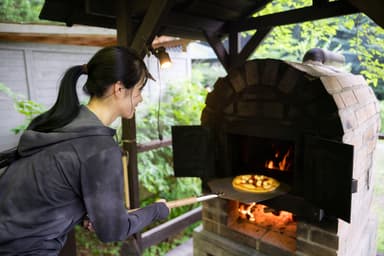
{"points": [[34, 70]]}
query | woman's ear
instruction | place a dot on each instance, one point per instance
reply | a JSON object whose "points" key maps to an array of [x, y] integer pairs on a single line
{"points": [[118, 88]]}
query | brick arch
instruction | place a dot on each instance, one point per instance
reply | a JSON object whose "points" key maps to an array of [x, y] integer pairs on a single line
{"points": [[274, 94]]}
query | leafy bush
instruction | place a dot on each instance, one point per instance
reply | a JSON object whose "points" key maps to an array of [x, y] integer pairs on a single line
{"points": [[26, 107], [88, 244], [181, 105]]}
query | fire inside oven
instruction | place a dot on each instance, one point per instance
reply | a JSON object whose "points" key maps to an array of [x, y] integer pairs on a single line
{"points": [[264, 224], [270, 157]]}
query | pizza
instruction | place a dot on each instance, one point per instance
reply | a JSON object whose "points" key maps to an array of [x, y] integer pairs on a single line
{"points": [[255, 183]]}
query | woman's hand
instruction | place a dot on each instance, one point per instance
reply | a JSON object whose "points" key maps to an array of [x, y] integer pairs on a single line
{"points": [[87, 224], [161, 200]]}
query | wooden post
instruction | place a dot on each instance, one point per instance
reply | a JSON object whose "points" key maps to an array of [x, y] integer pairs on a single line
{"points": [[234, 46], [124, 38], [69, 248]]}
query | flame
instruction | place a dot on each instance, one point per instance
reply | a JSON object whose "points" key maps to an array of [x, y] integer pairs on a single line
{"points": [[282, 165], [262, 215]]}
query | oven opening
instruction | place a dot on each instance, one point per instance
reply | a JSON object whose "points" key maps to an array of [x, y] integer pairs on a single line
{"points": [[255, 155]]}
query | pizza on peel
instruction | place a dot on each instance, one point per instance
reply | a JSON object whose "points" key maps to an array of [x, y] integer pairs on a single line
{"points": [[255, 183]]}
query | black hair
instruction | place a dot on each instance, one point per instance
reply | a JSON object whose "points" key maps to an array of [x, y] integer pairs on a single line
{"points": [[106, 67]]}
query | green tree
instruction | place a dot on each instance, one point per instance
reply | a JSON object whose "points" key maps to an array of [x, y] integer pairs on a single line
{"points": [[355, 36], [20, 10], [181, 104]]}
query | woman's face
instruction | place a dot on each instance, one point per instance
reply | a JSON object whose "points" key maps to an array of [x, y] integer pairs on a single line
{"points": [[131, 99]]}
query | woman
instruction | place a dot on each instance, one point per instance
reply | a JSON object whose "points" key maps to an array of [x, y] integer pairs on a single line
{"points": [[68, 165]]}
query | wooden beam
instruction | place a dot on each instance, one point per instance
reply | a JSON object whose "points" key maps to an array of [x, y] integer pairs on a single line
{"points": [[234, 44], [152, 20], [252, 44], [79, 17], [86, 40], [331, 9], [170, 228], [155, 144], [218, 48], [183, 43], [190, 22], [124, 24], [319, 3], [70, 39], [372, 8]]}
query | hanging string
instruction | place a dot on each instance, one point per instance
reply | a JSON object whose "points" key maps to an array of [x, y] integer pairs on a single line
{"points": [[159, 103]]}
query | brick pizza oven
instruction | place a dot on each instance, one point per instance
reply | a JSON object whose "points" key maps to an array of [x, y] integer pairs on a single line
{"points": [[310, 126]]}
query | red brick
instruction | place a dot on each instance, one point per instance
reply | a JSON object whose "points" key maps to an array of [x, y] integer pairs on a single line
{"points": [[348, 80], [339, 101], [363, 94], [245, 233], [313, 249], [270, 72], [348, 98], [211, 226], [348, 119], [354, 138], [288, 81], [302, 230], [250, 109], [252, 73], [273, 110], [237, 80], [324, 238], [284, 244], [331, 84], [365, 113]]}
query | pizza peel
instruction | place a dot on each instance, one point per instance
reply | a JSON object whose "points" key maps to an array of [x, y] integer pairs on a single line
{"points": [[224, 188]]}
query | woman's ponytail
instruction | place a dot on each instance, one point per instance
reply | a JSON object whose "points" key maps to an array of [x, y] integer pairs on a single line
{"points": [[66, 107]]}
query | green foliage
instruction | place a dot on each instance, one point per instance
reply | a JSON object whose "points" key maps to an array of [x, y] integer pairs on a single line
{"points": [[369, 47], [181, 105], [357, 37], [26, 107], [290, 42], [20, 10], [205, 74], [89, 244]]}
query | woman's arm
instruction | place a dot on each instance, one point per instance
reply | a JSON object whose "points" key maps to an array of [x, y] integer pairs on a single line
{"points": [[102, 189]]}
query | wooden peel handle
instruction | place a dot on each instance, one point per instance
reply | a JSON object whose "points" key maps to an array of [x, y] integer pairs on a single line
{"points": [[190, 200], [186, 201], [181, 202]]}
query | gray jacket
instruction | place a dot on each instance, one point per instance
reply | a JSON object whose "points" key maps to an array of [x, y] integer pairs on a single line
{"points": [[60, 177]]}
